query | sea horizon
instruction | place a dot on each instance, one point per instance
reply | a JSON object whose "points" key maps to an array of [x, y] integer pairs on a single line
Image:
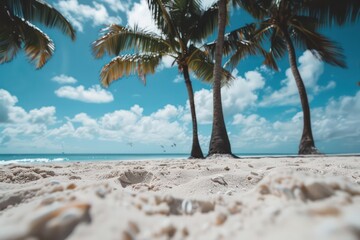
{"points": [[71, 157]]}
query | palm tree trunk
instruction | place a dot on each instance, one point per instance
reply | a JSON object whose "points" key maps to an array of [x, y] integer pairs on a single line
{"points": [[195, 149], [219, 142], [307, 144]]}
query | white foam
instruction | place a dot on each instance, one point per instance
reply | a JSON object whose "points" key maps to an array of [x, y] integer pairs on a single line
{"points": [[32, 160]]}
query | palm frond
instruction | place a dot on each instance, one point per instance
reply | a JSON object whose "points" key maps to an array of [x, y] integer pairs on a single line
{"points": [[10, 42], [258, 9], [40, 11], [333, 11], [322, 47], [118, 38], [200, 63], [206, 23], [37, 45], [140, 64], [162, 17]]}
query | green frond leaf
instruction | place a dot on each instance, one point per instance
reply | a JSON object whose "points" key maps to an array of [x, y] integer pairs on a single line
{"points": [[322, 47], [40, 11], [140, 64], [118, 38], [203, 67]]}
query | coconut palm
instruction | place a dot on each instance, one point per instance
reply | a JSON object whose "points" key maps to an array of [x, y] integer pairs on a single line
{"points": [[17, 30], [237, 44], [219, 142], [287, 24], [183, 25]]}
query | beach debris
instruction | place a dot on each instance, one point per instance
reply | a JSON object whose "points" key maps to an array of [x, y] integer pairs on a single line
{"points": [[220, 219], [132, 231], [71, 186], [235, 207], [74, 177], [167, 229], [168, 205], [317, 190], [162, 209], [219, 179], [55, 222], [187, 207]]}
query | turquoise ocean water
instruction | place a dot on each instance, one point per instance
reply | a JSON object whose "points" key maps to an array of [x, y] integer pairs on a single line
{"points": [[47, 158]]}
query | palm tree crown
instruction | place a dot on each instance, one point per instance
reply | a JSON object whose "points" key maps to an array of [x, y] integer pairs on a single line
{"points": [[17, 32], [287, 24], [183, 25]]}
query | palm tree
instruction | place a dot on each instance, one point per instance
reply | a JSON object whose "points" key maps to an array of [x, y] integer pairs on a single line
{"points": [[219, 142], [286, 23], [17, 30], [183, 25]]}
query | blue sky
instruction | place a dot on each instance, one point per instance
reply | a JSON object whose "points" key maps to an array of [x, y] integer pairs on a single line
{"points": [[62, 107]]}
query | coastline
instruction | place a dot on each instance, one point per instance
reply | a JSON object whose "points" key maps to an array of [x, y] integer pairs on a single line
{"points": [[315, 197]]}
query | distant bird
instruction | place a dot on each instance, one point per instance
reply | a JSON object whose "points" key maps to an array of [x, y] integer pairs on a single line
{"points": [[161, 146], [130, 144], [173, 145]]}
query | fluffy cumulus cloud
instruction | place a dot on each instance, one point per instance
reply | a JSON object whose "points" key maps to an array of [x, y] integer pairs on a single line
{"points": [[16, 122], [64, 79], [94, 94], [139, 15], [96, 13], [336, 123], [127, 126], [242, 93], [310, 69]]}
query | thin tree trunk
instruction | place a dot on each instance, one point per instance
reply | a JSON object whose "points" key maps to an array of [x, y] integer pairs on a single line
{"points": [[219, 142], [195, 149], [307, 144]]}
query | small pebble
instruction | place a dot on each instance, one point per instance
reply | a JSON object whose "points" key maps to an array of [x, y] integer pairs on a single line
{"points": [[226, 168], [251, 166], [71, 186], [220, 219]]}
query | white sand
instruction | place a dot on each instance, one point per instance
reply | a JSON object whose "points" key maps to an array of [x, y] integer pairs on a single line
{"points": [[266, 198]]}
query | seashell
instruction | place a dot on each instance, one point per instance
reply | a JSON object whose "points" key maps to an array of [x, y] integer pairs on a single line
{"points": [[187, 207]]}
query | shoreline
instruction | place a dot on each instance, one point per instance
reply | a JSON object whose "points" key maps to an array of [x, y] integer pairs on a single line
{"points": [[219, 198]]}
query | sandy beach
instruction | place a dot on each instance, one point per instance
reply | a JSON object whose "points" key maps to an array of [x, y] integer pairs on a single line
{"points": [[247, 198]]}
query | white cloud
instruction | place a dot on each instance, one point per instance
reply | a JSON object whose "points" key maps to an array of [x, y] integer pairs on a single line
{"points": [[310, 69], [15, 122], [140, 15], [78, 13], [64, 79], [116, 5], [178, 79], [94, 94], [239, 95], [335, 126]]}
